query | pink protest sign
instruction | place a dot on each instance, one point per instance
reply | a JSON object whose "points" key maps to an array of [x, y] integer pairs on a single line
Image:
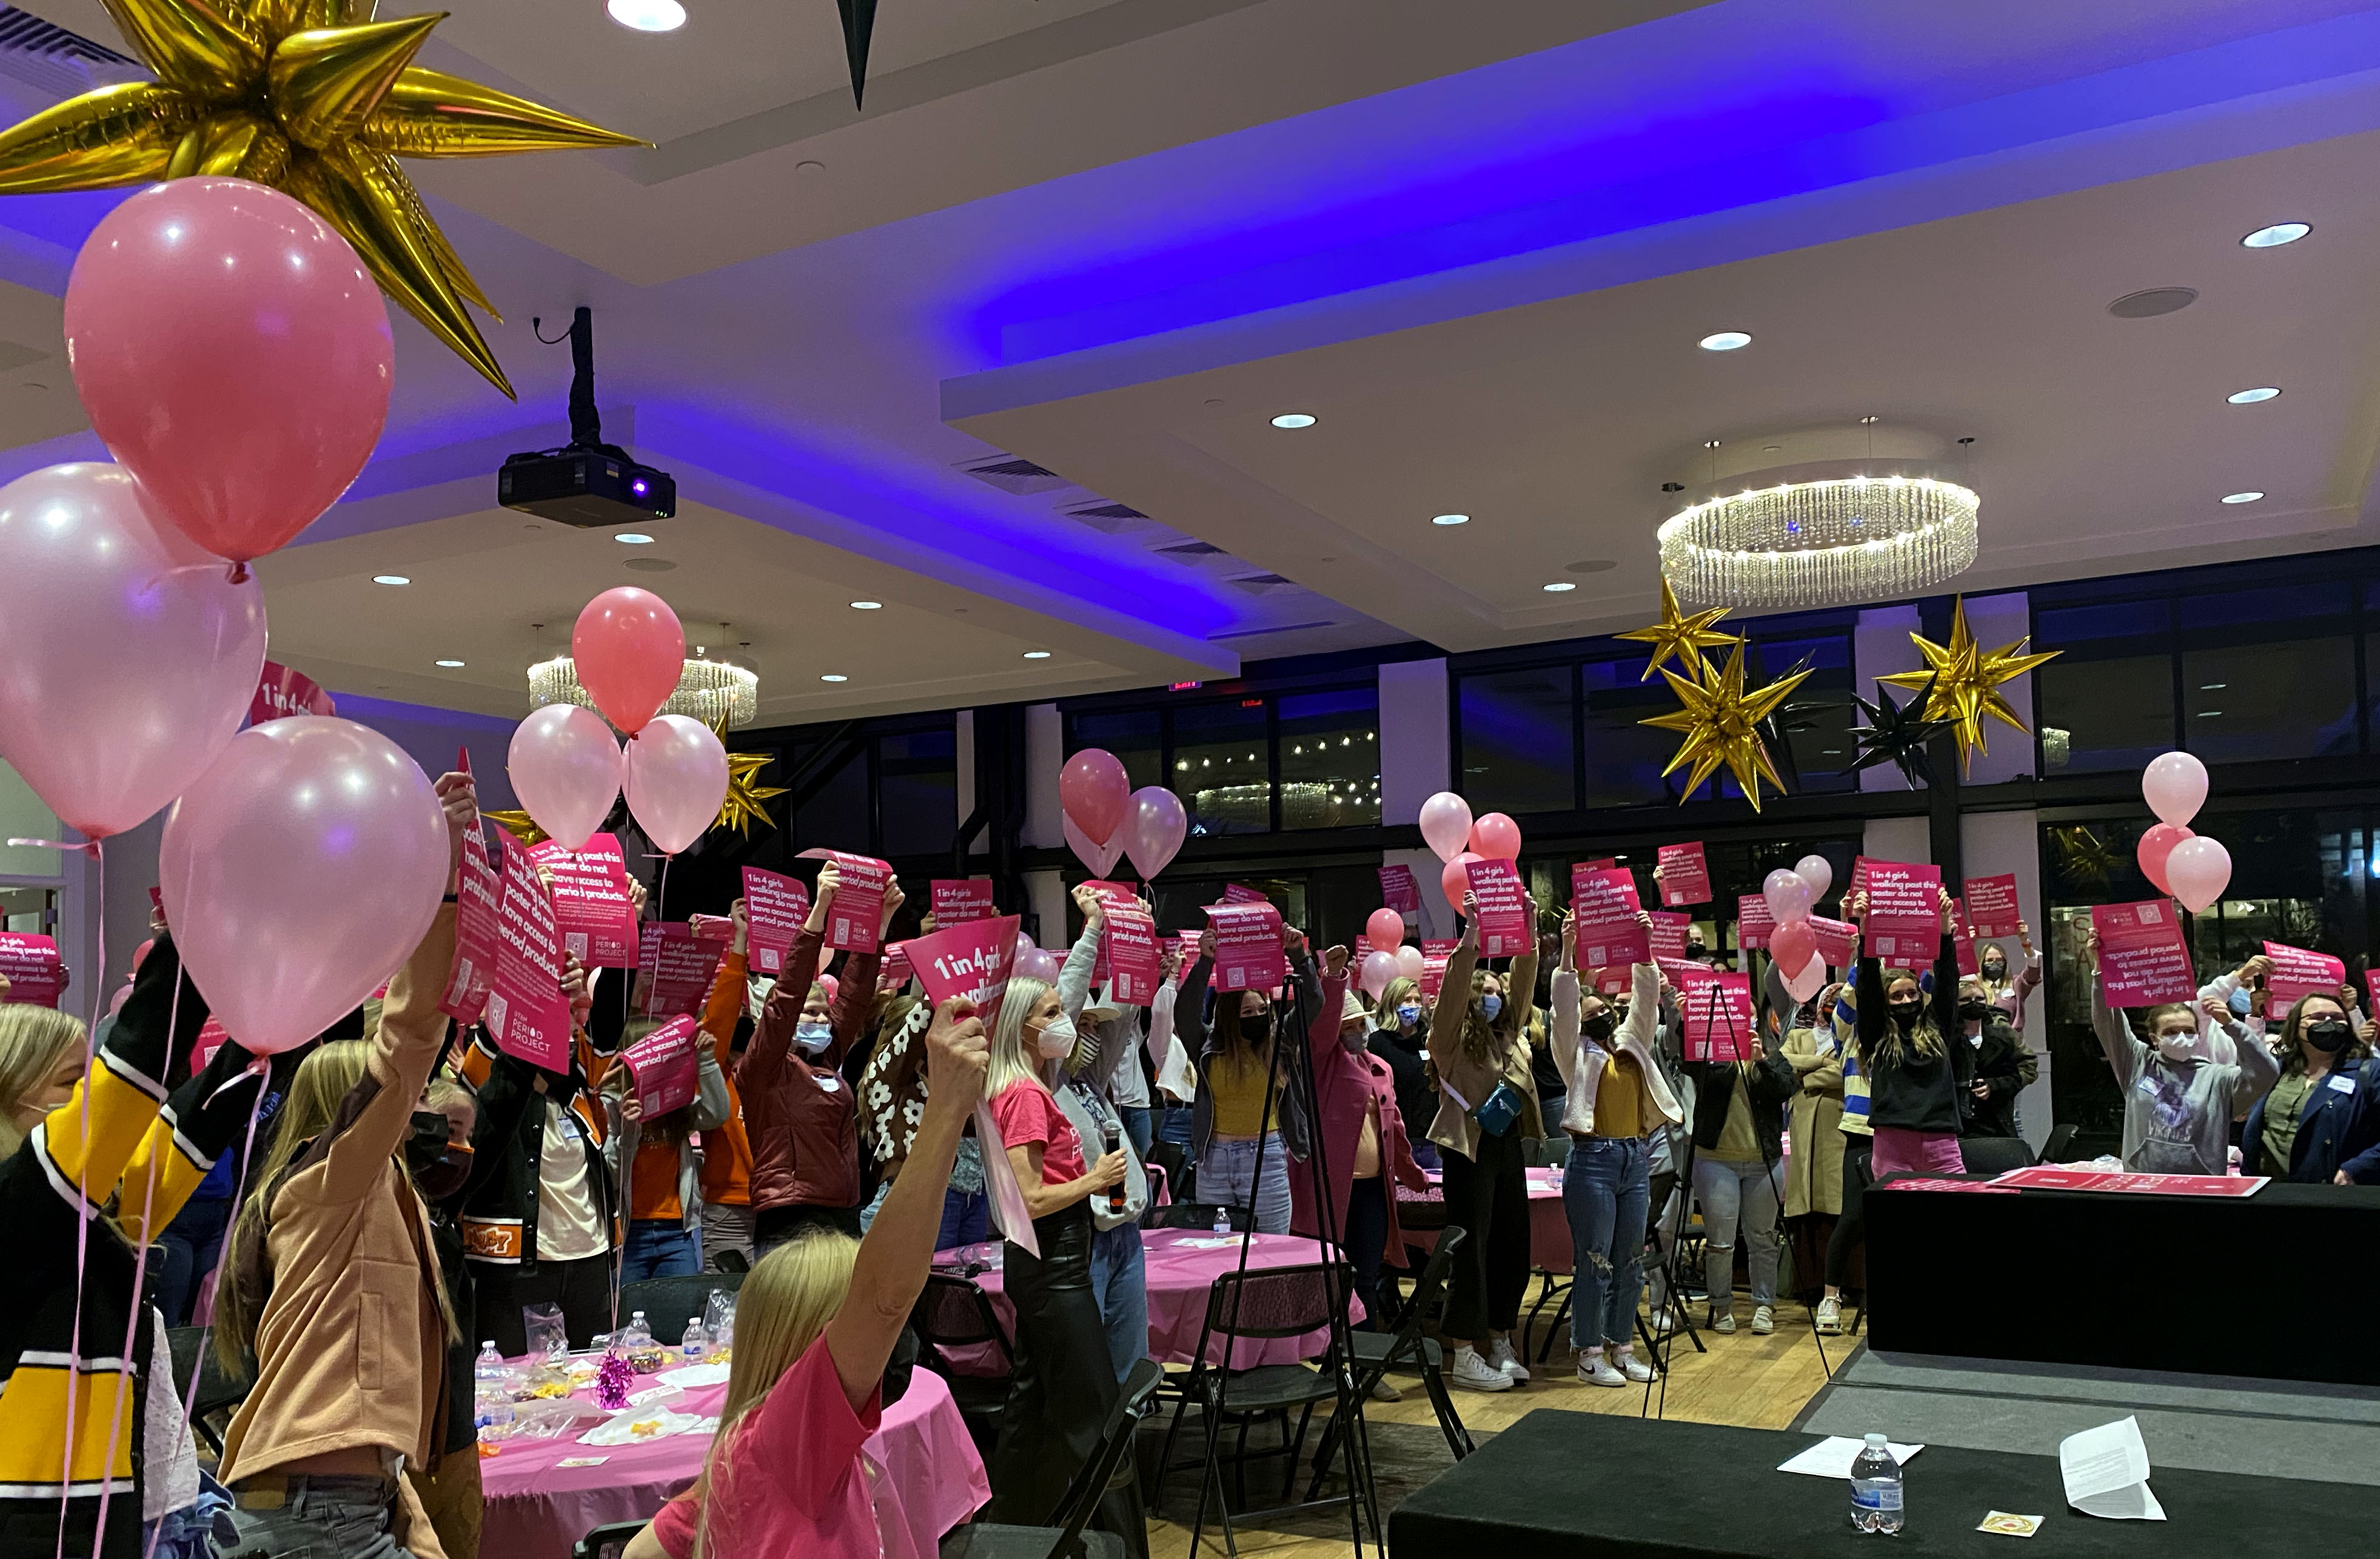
{"points": [[1433, 975], [1399, 891], [2143, 957], [282, 692], [1752, 920], [959, 899], [1603, 915], [1605, 864], [1247, 946], [1681, 973], [1838, 941], [1130, 943], [32, 963], [1438, 947], [775, 909], [683, 964], [1716, 1017], [1904, 911], [1504, 905], [2059, 1178], [1859, 875], [212, 1035], [896, 971], [664, 1065], [2298, 971], [972, 960], [1991, 906], [478, 892], [591, 907], [857, 918], [1185, 947], [1686, 875], [1670, 933], [1962, 942], [527, 1014], [1237, 892]]}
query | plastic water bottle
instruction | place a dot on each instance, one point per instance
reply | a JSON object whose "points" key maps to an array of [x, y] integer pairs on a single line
{"points": [[1222, 1219], [491, 1398], [639, 1335], [698, 1341], [1875, 1489]]}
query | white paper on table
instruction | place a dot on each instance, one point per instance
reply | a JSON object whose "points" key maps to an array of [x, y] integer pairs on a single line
{"points": [[2107, 1473], [1833, 1456], [659, 1423], [692, 1376]]}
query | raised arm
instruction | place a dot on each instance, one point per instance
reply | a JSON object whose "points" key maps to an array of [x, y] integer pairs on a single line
{"points": [[1322, 1024], [2124, 1053], [2259, 1068], [772, 1031], [725, 1003], [1190, 1005], [1075, 974], [1453, 1001]]}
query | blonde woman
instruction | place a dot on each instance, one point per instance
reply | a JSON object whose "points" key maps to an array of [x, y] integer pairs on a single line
{"points": [[815, 1323]]}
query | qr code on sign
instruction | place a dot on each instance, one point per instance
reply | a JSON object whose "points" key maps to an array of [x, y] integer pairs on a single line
{"points": [[2152, 914], [575, 943], [495, 1014]]}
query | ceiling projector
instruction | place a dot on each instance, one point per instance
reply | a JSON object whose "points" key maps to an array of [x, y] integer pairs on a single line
{"points": [[586, 483]]}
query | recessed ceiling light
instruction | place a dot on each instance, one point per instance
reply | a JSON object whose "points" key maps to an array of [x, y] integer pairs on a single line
{"points": [[2279, 233], [868, 607], [452, 665], [2250, 397], [1293, 420], [391, 579], [648, 16], [1558, 586], [2241, 497], [2150, 302], [1724, 341], [832, 676], [1036, 654], [632, 539], [1449, 519], [1591, 566]]}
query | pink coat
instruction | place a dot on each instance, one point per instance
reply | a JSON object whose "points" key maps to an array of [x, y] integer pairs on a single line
{"points": [[1343, 1080]]}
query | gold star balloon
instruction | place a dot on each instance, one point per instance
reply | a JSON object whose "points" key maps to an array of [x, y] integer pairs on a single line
{"points": [[746, 803], [316, 99], [1720, 721], [520, 825], [1679, 634], [1965, 680]]}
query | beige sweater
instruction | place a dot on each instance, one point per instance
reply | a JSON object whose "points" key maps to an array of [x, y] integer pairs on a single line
{"points": [[1464, 1083]]}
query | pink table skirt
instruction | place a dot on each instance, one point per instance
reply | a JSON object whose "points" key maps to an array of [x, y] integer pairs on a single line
{"points": [[1548, 1222], [927, 1477], [1181, 1268]]}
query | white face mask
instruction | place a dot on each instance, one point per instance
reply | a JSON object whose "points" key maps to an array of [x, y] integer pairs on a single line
{"points": [[2178, 1047], [1057, 1037], [813, 1037]]}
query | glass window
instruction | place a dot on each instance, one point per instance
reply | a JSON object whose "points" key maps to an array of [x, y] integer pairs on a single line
{"points": [[1135, 736], [1516, 730], [1815, 722], [1220, 769], [917, 778], [1624, 759], [1330, 759], [2107, 702], [834, 813], [2269, 674]]}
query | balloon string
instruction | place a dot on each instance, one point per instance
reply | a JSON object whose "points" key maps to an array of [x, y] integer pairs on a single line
{"points": [[81, 846], [82, 1234]]}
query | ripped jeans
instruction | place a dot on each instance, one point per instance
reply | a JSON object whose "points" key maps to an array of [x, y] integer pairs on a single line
{"points": [[1607, 1191]]}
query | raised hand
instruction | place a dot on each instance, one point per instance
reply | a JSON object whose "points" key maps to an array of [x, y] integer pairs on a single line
{"points": [[958, 1057], [894, 899], [1334, 962], [740, 918]]}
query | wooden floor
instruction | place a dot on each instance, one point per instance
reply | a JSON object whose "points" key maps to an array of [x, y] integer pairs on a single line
{"points": [[1758, 1382]]}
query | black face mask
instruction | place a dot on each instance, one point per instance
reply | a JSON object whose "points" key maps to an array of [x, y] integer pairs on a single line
{"points": [[1256, 1029], [1995, 972], [1903, 1013], [439, 1167], [1600, 1028], [2328, 1035], [1975, 1011]]}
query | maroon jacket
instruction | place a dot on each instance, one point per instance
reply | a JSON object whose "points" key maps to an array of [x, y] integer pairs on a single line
{"points": [[798, 1113], [1344, 1082]]}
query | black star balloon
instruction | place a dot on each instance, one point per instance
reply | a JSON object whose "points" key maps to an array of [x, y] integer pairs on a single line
{"points": [[1897, 734]]}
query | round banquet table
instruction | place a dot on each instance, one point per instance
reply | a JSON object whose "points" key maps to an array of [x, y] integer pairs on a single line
{"points": [[928, 1477], [1549, 1224], [1181, 1268]]}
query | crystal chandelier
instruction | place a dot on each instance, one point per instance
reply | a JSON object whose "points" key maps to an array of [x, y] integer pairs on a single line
{"points": [[1824, 533], [719, 691]]}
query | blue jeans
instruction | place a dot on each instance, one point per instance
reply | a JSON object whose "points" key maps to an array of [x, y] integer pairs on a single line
{"points": [[1607, 1191], [659, 1248], [347, 1517], [1136, 1126], [1739, 1192], [1174, 1125], [1227, 1166], [1122, 1293], [966, 1220], [193, 1241]]}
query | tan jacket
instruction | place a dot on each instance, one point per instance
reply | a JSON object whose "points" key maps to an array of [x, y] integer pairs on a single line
{"points": [[1814, 1170], [1460, 1078], [351, 1341]]}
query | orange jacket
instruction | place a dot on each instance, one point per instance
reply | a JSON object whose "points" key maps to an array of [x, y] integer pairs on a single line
{"points": [[726, 1151]]}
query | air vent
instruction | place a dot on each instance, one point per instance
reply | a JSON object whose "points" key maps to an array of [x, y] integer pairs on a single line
{"points": [[1190, 552], [1259, 632], [1016, 475], [42, 55], [1115, 519], [1263, 584]]}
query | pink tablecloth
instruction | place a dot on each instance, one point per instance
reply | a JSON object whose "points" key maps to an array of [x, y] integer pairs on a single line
{"points": [[1549, 1224], [930, 1479], [1182, 1266]]}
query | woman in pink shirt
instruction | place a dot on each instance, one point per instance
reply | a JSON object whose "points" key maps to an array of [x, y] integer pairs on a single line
{"points": [[815, 1322]]}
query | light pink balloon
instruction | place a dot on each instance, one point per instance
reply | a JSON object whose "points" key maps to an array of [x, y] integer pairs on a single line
{"points": [[1454, 879], [1154, 830], [1380, 967], [1807, 980], [1410, 961], [1497, 837], [298, 872], [1099, 858], [566, 768], [677, 779], [2200, 869], [1816, 870], [122, 994], [1792, 945], [1035, 964], [1788, 896], [1023, 943], [130, 659], [2156, 843], [1446, 824], [1385, 931], [1094, 792], [2175, 784], [234, 354]]}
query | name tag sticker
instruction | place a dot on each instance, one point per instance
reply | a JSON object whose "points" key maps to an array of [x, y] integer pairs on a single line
{"points": [[2343, 1083]]}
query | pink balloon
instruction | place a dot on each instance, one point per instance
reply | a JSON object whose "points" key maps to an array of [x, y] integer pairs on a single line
{"points": [[1792, 945], [2155, 846], [1816, 870], [1154, 830], [567, 768], [131, 660], [1035, 964], [2200, 869], [1095, 792], [298, 872], [1445, 824], [1455, 879], [122, 994], [1788, 896], [1385, 931], [1023, 943], [677, 778], [2175, 784], [629, 650], [1379, 969], [1497, 837], [1409, 961], [1806, 982], [234, 354], [1099, 859]]}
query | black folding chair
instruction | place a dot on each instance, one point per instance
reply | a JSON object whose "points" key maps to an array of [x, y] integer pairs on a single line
{"points": [[2060, 1142], [1403, 1346], [734, 1262], [606, 1542], [1993, 1155], [1193, 1215], [1069, 1540], [951, 1312], [670, 1302], [217, 1391]]}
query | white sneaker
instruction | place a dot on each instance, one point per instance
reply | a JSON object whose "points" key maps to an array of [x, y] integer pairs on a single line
{"points": [[1475, 1373], [1661, 1323], [1501, 1356], [1763, 1319], [1831, 1316], [1383, 1392], [1594, 1371], [1635, 1369], [1720, 1322]]}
